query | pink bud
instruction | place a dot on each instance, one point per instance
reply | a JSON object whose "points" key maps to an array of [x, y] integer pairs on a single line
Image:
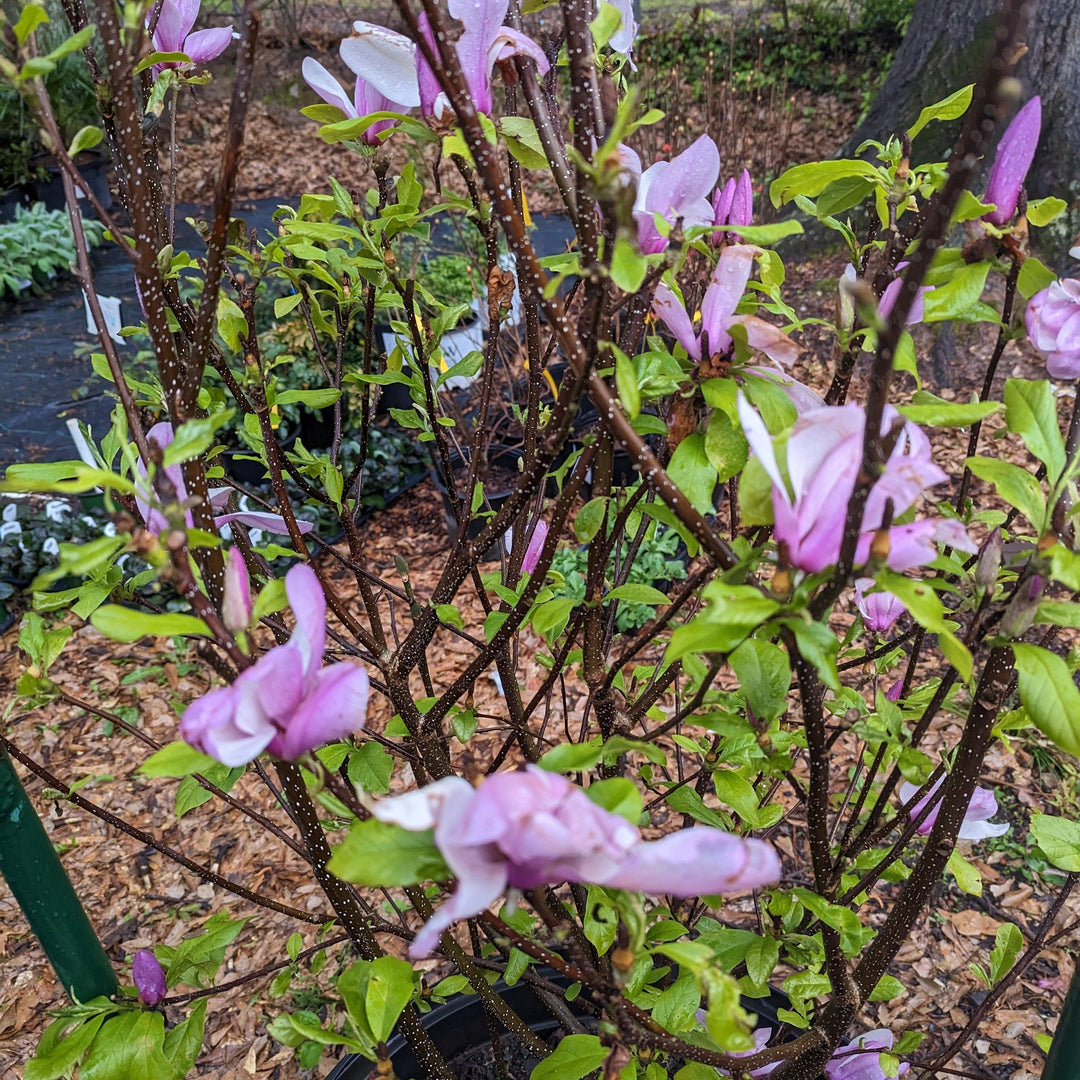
{"points": [[536, 546], [149, 977], [236, 604], [894, 691], [1014, 155]]}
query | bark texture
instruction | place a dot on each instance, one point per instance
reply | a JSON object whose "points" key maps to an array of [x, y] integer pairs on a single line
{"points": [[944, 49]]}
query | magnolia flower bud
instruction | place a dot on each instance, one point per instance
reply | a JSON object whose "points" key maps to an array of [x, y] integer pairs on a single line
{"points": [[531, 558], [989, 562], [149, 977], [236, 603], [1020, 613]]}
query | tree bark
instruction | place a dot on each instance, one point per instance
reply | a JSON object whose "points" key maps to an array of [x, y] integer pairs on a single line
{"points": [[943, 50]]}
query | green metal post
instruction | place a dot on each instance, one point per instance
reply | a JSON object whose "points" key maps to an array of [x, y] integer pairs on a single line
{"points": [[37, 880], [1063, 1061]]}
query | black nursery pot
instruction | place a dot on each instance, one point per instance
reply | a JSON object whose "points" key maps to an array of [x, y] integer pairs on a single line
{"points": [[496, 493], [11, 199], [317, 427], [462, 1025], [94, 169]]}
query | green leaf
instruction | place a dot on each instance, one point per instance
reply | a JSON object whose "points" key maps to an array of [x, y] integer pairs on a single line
{"points": [[1031, 413], [927, 408], [183, 1043], [957, 295], [886, 989], [124, 624], [370, 768], [1007, 945], [313, 399], [1034, 277], [737, 792], [628, 266], [675, 1007], [231, 322], [637, 594], [572, 757], [130, 1046], [618, 795], [177, 759], [31, 17], [465, 368], [626, 382], [1059, 839], [967, 876], [853, 935], [377, 853], [1040, 212], [194, 437], [733, 612], [590, 519], [843, 194], [769, 234], [57, 1056], [390, 988], [764, 676], [86, 138], [522, 140], [725, 446], [949, 108], [1014, 484], [693, 473], [1049, 695], [575, 1056], [811, 179], [927, 610]]}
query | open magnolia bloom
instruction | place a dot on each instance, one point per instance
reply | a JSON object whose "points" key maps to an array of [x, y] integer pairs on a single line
{"points": [[366, 99], [1052, 318], [678, 190], [528, 828], [172, 34], [162, 436], [824, 454], [286, 701], [726, 288], [395, 68], [861, 1058], [977, 824]]}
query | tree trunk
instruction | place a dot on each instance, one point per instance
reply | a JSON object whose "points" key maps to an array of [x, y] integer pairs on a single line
{"points": [[944, 49]]}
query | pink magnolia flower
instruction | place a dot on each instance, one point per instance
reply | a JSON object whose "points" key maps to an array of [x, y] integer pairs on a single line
{"points": [[678, 190], [484, 41], [878, 609], [1052, 318], [286, 702], [1015, 152], [861, 1058], [977, 824], [824, 454], [172, 34], [366, 99], [532, 554], [162, 436], [532, 827], [149, 977], [236, 604], [726, 288], [732, 205], [384, 61], [622, 41], [392, 64]]}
